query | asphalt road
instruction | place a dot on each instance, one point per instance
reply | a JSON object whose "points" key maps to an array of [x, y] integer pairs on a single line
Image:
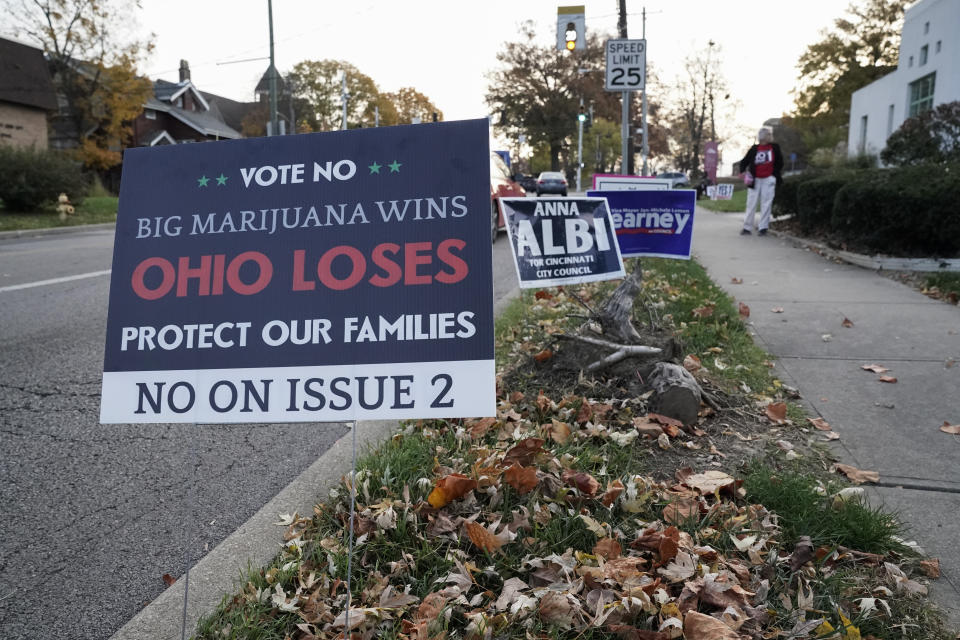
{"points": [[92, 516]]}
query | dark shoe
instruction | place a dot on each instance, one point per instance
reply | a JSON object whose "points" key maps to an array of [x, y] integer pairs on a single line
{"points": [[762, 232], [745, 232]]}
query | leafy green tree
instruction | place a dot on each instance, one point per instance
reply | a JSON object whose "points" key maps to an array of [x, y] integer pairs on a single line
{"points": [[601, 148], [409, 104], [93, 66], [861, 47], [317, 88], [536, 92], [931, 137]]}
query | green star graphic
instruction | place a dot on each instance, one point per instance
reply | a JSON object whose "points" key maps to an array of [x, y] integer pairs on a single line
{"points": [[221, 180], [203, 180], [375, 168], [394, 167]]}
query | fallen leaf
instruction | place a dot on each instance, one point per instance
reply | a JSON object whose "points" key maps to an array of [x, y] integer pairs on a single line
{"points": [[827, 337], [802, 553], [704, 311], [524, 452], [450, 488], [663, 441], [682, 510], [946, 427], [627, 632], [584, 482], [522, 479], [556, 609], [777, 412], [614, 489], [709, 482], [820, 423], [889, 379], [683, 566], [857, 476], [478, 428], [692, 363], [559, 431], [665, 420], [876, 368], [169, 579], [831, 435], [736, 280], [608, 549], [544, 403], [485, 539], [931, 567], [847, 323], [744, 311], [699, 626], [777, 310], [543, 356], [543, 295]]}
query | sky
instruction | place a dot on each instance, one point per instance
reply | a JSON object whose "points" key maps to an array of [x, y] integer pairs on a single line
{"points": [[445, 48]]}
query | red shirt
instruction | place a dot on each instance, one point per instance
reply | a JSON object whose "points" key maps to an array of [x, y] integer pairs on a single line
{"points": [[764, 161]]}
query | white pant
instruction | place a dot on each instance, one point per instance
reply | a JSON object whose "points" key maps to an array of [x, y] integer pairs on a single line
{"points": [[763, 190]]}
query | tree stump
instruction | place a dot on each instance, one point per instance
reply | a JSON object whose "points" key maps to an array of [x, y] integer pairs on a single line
{"points": [[616, 314], [676, 393]]}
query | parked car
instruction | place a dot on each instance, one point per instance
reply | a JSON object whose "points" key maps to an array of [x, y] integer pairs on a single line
{"points": [[528, 182], [551, 182], [677, 180], [501, 186]]}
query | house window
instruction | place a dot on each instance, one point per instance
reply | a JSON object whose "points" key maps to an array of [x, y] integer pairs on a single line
{"points": [[910, 61], [863, 134], [921, 94], [924, 50], [889, 120], [938, 47], [150, 114], [926, 28]]}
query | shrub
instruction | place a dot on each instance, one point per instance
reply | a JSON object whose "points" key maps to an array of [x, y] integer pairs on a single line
{"points": [[33, 178], [905, 211], [785, 198], [815, 199], [931, 137]]}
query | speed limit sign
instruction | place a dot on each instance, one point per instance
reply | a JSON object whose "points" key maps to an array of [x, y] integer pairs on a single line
{"points": [[626, 65]]}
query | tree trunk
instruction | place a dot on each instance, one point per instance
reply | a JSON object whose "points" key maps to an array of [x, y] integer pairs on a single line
{"points": [[676, 393], [617, 312]]}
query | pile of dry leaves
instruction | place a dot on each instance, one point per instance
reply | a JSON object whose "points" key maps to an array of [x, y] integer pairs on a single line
{"points": [[520, 529]]}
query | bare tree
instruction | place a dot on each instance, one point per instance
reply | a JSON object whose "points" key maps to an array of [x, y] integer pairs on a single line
{"points": [[697, 95]]}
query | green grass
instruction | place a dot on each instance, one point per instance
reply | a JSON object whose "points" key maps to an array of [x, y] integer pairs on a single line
{"points": [[947, 283], [94, 210], [738, 203]]}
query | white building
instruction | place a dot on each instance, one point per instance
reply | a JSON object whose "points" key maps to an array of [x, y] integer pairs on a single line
{"points": [[928, 74]]}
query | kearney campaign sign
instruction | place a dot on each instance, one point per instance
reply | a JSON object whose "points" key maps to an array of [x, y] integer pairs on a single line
{"points": [[561, 240], [316, 277], [652, 223]]}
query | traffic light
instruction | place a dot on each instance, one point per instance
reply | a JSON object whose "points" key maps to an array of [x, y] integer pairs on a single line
{"points": [[571, 28], [582, 117]]}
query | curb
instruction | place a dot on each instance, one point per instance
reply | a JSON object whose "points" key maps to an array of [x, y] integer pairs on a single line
{"points": [[876, 263], [55, 231], [253, 544]]}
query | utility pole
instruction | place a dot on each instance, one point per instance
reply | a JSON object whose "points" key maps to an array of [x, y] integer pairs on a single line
{"points": [[646, 145], [274, 124], [625, 163], [344, 96], [580, 119], [376, 116]]}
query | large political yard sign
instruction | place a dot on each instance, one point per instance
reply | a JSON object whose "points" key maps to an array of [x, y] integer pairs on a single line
{"points": [[652, 223], [316, 277], [558, 241]]}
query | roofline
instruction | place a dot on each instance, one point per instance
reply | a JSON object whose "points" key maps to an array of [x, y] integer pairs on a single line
{"points": [[201, 129], [161, 135], [196, 92]]}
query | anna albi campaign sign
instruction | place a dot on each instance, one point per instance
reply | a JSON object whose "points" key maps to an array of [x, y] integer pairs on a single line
{"points": [[314, 277]]}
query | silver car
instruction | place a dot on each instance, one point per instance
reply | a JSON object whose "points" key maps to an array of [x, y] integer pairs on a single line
{"points": [[676, 178], [551, 182]]}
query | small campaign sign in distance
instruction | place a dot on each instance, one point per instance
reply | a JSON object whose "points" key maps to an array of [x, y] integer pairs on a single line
{"points": [[316, 277], [720, 191], [559, 241], [652, 223], [626, 65], [619, 182]]}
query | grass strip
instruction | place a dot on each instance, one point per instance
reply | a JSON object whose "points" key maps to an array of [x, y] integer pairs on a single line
{"points": [[555, 518], [94, 210], [737, 203]]}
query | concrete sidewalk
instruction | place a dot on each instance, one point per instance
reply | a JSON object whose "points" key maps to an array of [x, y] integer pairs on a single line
{"points": [[889, 428]]}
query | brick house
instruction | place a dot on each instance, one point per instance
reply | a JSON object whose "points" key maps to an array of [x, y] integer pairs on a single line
{"points": [[27, 95], [178, 112]]}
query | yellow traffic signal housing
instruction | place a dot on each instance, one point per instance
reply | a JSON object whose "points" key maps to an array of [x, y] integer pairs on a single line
{"points": [[571, 28]]}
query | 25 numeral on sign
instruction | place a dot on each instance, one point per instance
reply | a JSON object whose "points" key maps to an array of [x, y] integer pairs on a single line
{"points": [[629, 77]]}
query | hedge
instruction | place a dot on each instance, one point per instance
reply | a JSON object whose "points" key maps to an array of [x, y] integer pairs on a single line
{"points": [[910, 211], [35, 178], [785, 198], [815, 199]]}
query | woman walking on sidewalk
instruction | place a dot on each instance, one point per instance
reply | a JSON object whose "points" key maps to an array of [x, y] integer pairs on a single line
{"points": [[761, 166]]}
